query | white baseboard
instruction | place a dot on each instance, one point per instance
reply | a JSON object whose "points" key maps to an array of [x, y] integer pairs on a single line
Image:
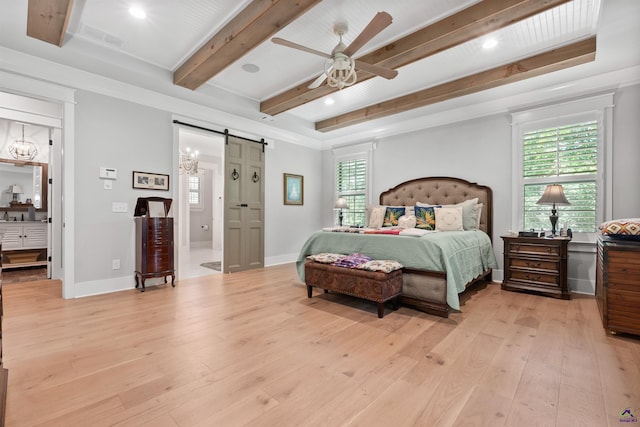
{"points": [[280, 259], [116, 284]]}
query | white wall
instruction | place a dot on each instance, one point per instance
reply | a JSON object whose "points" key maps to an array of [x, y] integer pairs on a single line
{"points": [[479, 150], [128, 137], [626, 153], [287, 227]]}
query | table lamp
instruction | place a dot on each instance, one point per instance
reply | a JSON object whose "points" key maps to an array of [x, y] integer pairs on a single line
{"points": [[341, 204], [15, 190], [553, 195]]}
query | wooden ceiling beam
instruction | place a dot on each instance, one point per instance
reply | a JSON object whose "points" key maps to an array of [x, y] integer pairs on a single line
{"points": [[470, 23], [253, 25], [47, 20], [557, 59]]}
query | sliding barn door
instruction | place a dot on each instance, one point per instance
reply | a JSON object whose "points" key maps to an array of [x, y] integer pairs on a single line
{"points": [[243, 205]]}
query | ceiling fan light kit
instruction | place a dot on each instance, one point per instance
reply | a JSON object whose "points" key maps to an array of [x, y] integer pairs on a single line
{"points": [[340, 71]]}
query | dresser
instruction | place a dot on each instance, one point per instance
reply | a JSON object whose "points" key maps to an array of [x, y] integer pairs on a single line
{"points": [[536, 264], [618, 284], [154, 249]]}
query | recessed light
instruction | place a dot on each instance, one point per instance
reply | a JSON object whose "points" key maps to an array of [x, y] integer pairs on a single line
{"points": [[489, 43], [251, 68], [329, 101], [137, 12]]}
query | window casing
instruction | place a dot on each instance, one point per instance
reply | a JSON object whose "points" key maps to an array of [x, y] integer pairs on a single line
{"points": [[563, 144], [352, 172]]}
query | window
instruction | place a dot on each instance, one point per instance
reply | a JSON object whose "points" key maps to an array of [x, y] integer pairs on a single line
{"points": [[567, 155], [351, 184], [562, 144], [195, 198], [352, 181]]}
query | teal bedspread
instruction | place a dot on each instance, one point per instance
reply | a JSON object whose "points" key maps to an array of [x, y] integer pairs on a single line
{"points": [[463, 255]]}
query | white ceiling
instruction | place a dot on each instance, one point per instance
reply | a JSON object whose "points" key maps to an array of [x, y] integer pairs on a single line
{"points": [[104, 39]]}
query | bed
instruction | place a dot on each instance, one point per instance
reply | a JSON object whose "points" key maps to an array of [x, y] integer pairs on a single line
{"points": [[438, 266]]}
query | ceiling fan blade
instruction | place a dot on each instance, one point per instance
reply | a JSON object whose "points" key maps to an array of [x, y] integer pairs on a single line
{"points": [[287, 43], [318, 82], [379, 22], [387, 73]]}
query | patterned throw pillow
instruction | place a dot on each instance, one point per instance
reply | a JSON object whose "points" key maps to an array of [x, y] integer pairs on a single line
{"points": [[391, 216], [326, 257], [621, 228], [426, 217], [386, 266], [449, 219]]}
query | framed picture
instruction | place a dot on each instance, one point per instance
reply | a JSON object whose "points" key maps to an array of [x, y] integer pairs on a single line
{"points": [[293, 189], [150, 181]]}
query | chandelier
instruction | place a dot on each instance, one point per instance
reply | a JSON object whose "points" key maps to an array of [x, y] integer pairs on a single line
{"points": [[189, 162], [21, 149]]}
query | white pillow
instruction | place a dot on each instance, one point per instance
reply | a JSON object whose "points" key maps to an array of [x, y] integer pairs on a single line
{"points": [[449, 219], [469, 217], [479, 207], [377, 217], [407, 221]]}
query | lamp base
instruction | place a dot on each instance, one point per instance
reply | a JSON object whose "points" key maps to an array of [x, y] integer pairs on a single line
{"points": [[554, 221]]}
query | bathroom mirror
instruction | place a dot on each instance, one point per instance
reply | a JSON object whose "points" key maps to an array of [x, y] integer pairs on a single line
{"points": [[30, 177]]}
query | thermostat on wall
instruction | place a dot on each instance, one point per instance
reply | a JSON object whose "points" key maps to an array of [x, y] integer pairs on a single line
{"points": [[108, 173]]}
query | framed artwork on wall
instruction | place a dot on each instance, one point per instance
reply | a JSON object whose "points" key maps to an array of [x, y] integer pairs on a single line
{"points": [[293, 189], [150, 181]]}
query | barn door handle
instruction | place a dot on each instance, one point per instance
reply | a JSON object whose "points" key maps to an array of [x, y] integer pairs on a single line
{"points": [[255, 177], [242, 205], [235, 175]]}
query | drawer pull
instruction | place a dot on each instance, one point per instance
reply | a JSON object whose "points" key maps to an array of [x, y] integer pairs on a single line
{"points": [[549, 250], [535, 278], [533, 264]]}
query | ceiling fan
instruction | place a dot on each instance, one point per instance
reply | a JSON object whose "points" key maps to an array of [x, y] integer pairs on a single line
{"points": [[339, 70]]}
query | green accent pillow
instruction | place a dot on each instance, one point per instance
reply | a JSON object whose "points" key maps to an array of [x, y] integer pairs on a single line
{"points": [[426, 217], [391, 216]]}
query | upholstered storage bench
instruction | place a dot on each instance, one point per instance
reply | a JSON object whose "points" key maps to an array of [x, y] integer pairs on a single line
{"points": [[374, 286]]}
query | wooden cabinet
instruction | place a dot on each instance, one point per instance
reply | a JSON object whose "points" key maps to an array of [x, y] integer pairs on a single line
{"points": [[154, 249], [536, 264], [618, 285], [24, 243]]}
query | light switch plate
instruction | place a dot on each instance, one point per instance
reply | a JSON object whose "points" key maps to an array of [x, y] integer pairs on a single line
{"points": [[120, 207], [108, 173]]}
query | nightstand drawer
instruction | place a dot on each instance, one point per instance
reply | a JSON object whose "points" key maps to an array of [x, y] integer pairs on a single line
{"points": [[538, 264], [537, 277], [534, 249]]}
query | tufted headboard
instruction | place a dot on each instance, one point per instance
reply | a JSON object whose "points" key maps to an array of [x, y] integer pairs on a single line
{"points": [[442, 191]]}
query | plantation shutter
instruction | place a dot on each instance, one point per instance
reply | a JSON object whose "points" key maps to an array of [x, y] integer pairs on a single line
{"points": [[194, 190], [566, 155], [351, 184]]}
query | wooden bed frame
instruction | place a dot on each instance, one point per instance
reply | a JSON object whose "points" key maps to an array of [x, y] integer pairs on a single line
{"points": [[423, 289]]}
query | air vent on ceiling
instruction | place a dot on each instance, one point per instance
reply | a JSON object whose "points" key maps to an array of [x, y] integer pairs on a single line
{"points": [[100, 36]]}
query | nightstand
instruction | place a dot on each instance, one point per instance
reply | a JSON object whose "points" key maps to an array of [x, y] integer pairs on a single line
{"points": [[536, 264]]}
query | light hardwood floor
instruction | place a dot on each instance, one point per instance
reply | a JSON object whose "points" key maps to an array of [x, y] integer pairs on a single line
{"points": [[251, 349]]}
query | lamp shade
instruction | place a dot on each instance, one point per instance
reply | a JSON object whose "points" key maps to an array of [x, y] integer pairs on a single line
{"points": [[341, 203], [553, 195], [15, 189]]}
